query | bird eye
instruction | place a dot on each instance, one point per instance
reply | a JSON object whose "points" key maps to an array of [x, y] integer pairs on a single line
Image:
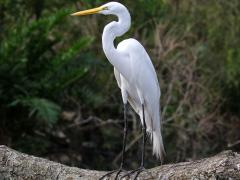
{"points": [[105, 8]]}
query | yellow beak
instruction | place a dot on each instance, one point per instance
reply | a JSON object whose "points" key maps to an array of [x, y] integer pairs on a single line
{"points": [[89, 11]]}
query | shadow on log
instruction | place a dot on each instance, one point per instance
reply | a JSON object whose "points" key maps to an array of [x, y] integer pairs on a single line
{"points": [[16, 165]]}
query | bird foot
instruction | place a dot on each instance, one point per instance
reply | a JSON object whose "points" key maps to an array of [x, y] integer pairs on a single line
{"points": [[137, 171], [108, 175]]}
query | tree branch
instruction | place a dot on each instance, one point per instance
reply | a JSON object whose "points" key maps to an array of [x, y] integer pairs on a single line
{"points": [[16, 165]]}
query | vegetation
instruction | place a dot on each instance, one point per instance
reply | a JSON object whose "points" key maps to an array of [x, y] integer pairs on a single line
{"points": [[58, 95]]}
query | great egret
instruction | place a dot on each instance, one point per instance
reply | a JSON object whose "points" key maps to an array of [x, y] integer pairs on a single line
{"points": [[135, 75]]}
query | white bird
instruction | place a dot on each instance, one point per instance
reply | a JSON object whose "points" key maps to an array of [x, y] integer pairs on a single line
{"points": [[135, 75]]}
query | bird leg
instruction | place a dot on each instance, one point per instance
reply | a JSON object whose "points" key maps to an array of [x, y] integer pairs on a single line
{"points": [[123, 147], [141, 168]]}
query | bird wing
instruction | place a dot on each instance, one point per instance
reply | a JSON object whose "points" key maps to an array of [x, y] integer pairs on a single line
{"points": [[143, 83], [143, 75], [117, 76], [123, 85]]}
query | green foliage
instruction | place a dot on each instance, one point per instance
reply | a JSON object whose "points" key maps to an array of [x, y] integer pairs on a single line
{"points": [[31, 68], [43, 109], [221, 25], [232, 67], [38, 63]]}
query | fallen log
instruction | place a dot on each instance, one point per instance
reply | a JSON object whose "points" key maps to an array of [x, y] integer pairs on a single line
{"points": [[17, 165]]}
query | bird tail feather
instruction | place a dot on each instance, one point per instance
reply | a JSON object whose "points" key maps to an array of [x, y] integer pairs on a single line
{"points": [[158, 147]]}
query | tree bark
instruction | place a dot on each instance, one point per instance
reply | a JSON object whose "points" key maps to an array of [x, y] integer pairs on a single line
{"points": [[16, 165]]}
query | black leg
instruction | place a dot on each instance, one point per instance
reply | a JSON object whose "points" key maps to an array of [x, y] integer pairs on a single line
{"points": [[141, 168], [144, 138], [123, 147], [125, 131]]}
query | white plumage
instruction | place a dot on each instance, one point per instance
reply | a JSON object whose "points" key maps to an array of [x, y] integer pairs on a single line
{"points": [[143, 82], [133, 69]]}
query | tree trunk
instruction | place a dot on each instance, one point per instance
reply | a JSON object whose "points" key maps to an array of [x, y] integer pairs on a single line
{"points": [[16, 165]]}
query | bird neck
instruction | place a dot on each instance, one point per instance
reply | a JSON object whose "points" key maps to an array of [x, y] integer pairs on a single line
{"points": [[110, 32]]}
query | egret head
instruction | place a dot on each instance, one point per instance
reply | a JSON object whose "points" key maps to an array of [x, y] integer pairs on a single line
{"points": [[113, 8]]}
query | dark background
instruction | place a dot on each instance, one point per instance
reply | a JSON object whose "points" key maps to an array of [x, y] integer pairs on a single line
{"points": [[59, 99]]}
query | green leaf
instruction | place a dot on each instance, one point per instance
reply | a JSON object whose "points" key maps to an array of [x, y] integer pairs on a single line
{"points": [[44, 109]]}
